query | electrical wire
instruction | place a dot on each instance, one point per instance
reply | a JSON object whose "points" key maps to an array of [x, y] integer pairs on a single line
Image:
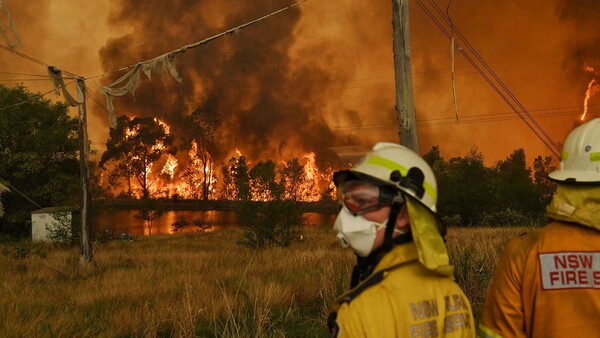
{"points": [[34, 97], [183, 49], [21, 80], [480, 118], [94, 97], [499, 81], [32, 59], [474, 51], [21, 74], [539, 132]]}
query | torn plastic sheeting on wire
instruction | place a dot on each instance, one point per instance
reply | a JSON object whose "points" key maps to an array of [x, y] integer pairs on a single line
{"points": [[58, 83], [168, 63], [132, 79]]}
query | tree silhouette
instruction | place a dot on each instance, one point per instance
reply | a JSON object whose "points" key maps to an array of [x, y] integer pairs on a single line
{"points": [[263, 184], [133, 147], [513, 185]]}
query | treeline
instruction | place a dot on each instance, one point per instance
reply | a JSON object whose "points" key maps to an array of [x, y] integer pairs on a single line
{"points": [[507, 193], [39, 163]]}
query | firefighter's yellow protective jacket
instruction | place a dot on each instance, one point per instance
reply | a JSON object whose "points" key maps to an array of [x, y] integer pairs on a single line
{"points": [[547, 282], [402, 298]]}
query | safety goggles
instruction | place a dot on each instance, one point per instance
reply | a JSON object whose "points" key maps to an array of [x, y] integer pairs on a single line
{"points": [[361, 197]]}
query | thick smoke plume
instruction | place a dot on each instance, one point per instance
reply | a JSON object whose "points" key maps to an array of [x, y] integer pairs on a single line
{"points": [[266, 100], [321, 75]]}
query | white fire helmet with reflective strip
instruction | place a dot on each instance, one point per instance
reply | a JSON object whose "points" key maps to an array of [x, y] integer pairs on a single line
{"points": [[384, 159], [580, 158]]}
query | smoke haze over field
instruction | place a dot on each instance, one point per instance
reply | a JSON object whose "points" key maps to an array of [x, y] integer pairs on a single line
{"points": [[320, 76]]}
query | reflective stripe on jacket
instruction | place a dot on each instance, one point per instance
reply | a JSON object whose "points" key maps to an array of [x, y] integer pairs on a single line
{"points": [[408, 301], [546, 284]]}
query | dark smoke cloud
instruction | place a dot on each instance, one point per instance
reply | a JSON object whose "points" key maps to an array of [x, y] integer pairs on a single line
{"points": [[322, 75], [268, 107], [581, 16]]}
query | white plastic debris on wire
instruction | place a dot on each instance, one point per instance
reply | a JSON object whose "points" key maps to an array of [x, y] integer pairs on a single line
{"points": [[58, 82], [132, 81], [167, 61]]}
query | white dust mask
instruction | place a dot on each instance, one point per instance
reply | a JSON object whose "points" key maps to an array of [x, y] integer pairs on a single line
{"points": [[356, 232]]}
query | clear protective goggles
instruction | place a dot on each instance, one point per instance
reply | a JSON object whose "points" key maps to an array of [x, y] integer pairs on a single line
{"points": [[360, 197]]}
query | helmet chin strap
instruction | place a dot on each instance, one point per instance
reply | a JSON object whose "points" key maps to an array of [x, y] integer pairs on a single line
{"points": [[365, 265], [391, 225]]}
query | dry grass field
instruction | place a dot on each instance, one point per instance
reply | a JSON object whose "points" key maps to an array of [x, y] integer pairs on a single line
{"points": [[199, 285]]}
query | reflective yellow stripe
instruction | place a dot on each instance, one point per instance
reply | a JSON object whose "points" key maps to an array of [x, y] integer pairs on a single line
{"points": [[484, 332], [391, 165], [564, 155], [594, 157]]}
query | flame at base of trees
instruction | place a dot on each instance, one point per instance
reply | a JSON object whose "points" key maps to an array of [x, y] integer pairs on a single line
{"points": [[139, 165]]}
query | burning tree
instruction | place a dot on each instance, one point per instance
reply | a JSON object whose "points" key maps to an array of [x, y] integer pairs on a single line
{"points": [[299, 181], [133, 147], [238, 180], [263, 182], [203, 126]]}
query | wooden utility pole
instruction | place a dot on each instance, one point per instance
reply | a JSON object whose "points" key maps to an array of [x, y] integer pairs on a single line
{"points": [[405, 103], [55, 74], [85, 250]]}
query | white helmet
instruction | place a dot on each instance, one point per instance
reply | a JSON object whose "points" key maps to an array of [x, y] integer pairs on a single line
{"points": [[580, 158], [390, 164]]}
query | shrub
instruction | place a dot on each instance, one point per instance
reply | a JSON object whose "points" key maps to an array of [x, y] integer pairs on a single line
{"points": [[504, 218], [451, 220], [268, 224], [180, 223]]}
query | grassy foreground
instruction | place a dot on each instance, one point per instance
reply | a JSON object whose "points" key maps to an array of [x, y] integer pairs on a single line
{"points": [[199, 285]]}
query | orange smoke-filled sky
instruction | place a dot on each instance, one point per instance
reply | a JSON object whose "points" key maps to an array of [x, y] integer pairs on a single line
{"points": [[320, 76]]}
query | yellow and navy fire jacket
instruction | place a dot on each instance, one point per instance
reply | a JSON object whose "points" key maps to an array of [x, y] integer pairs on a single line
{"points": [[547, 282], [402, 298]]}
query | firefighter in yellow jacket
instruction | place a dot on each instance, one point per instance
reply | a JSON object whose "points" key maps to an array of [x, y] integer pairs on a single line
{"points": [[547, 282], [402, 285]]}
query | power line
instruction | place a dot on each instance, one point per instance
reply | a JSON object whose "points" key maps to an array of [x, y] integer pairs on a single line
{"points": [[539, 132], [21, 74], [32, 59], [474, 51], [20, 80], [470, 119], [34, 97], [96, 98], [183, 49], [499, 81]]}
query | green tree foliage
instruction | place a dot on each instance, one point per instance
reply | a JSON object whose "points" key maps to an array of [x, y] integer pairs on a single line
{"points": [[133, 147], [39, 154], [64, 230], [433, 156], [544, 186], [513, 185], [274, 218], [509, 193], [266, 224], [464, 187]]}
